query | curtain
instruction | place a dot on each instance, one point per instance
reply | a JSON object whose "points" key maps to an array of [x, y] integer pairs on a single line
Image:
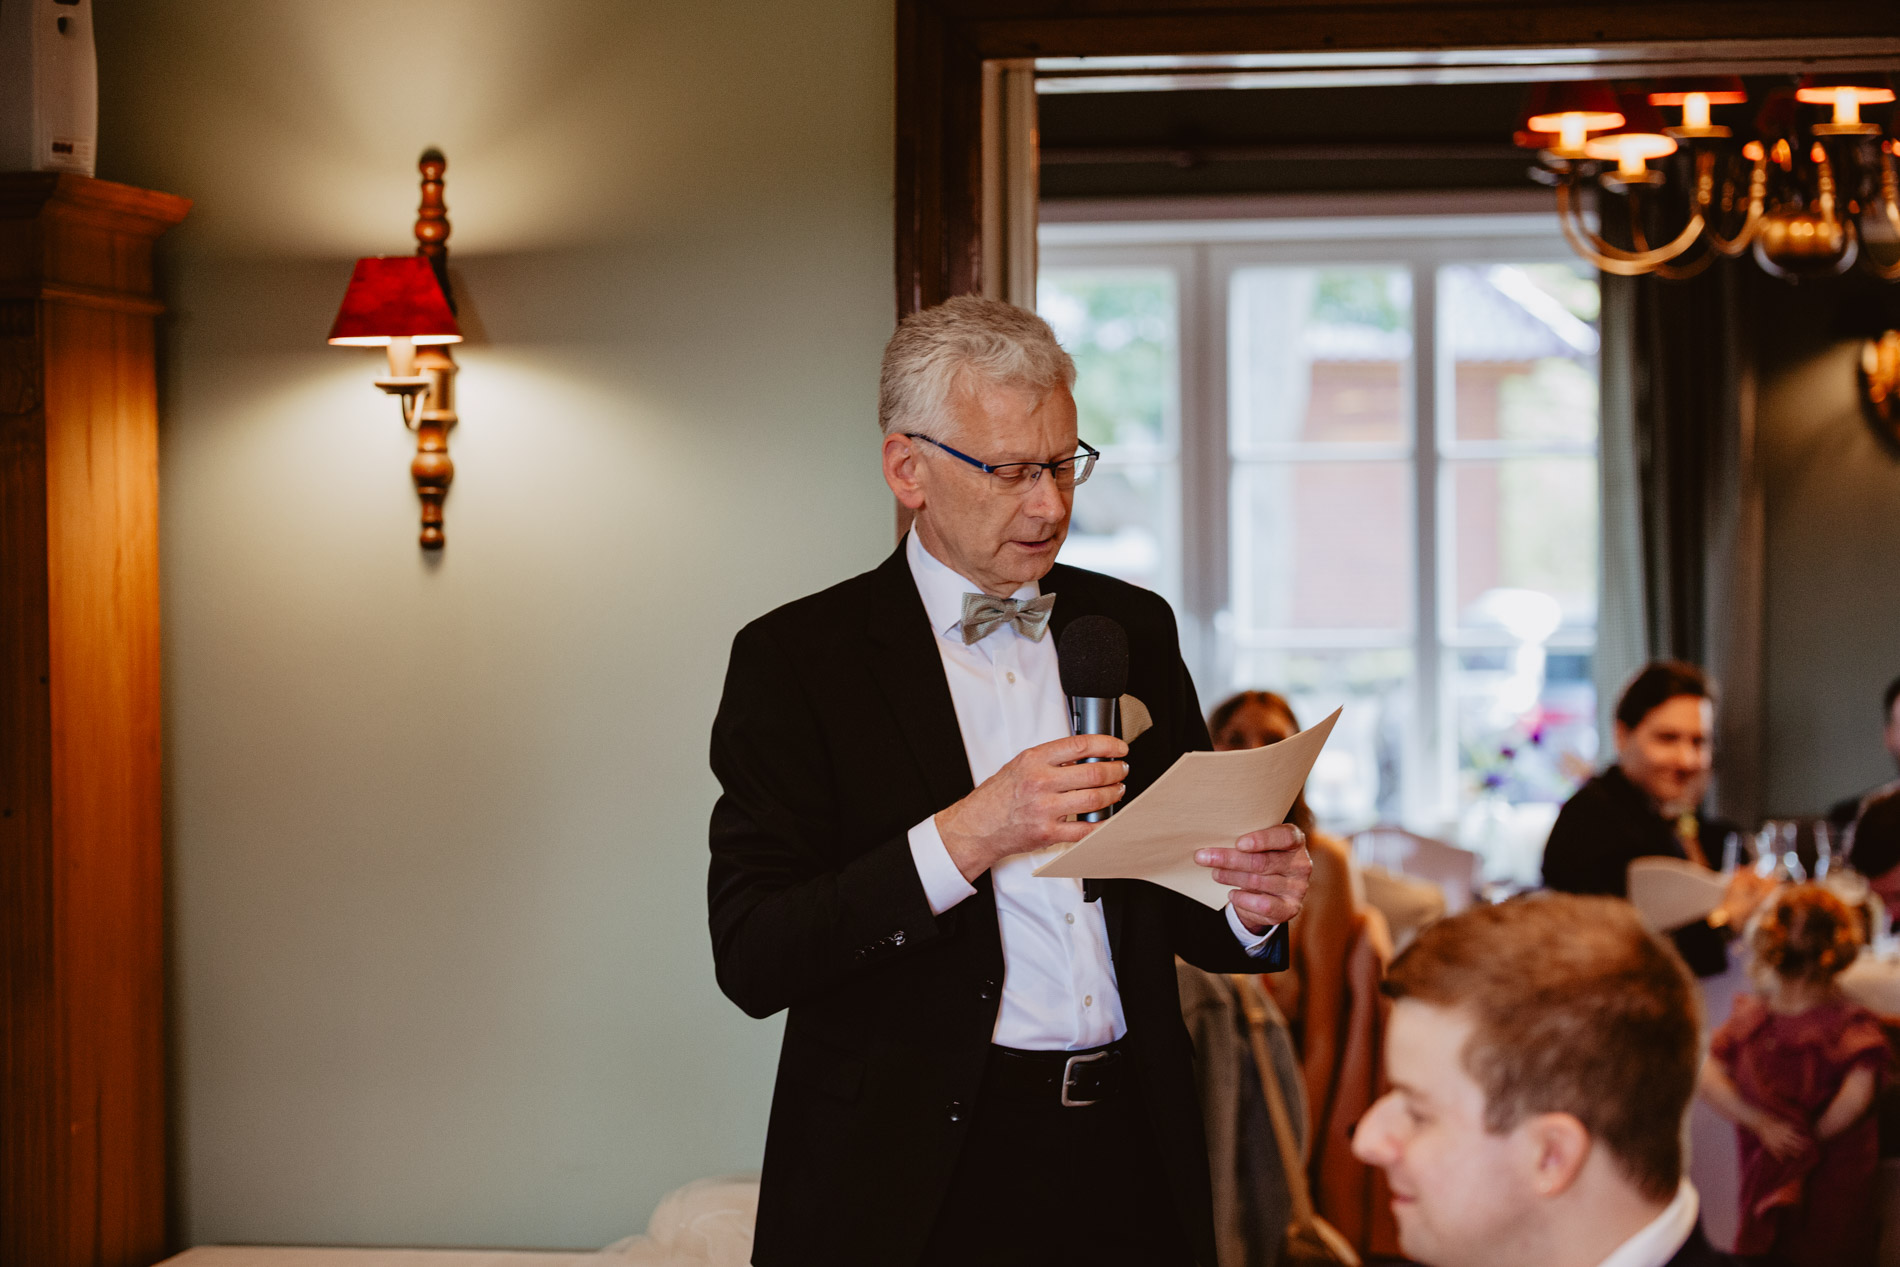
{"points": [[1682, 512]]}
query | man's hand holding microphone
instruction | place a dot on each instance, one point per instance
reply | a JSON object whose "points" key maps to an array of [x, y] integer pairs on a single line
{"points": [[1028, 804]]}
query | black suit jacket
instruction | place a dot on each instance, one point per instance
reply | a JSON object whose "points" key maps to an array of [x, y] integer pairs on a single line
{"points": [[835, 736], [1697, 1252], [1608, 824]]}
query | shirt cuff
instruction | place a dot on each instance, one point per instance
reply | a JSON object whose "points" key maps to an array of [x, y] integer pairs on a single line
{"points": [[1255, 944], [944, 885]]}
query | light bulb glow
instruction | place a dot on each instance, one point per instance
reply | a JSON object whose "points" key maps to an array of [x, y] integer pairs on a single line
{"points": [[1695, 110], [1846, 105], [1570, 132]]}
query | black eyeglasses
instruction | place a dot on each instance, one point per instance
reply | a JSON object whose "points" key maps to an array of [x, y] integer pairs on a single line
{"points": [[1020, 477]]}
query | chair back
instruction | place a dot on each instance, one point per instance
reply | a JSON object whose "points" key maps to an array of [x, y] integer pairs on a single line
{"points": [[1453, 870]]}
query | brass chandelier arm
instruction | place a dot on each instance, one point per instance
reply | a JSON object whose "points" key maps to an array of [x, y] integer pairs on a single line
{"points": [[1669, 272], [1612, 259], [1752, 223], [1890, 208]]}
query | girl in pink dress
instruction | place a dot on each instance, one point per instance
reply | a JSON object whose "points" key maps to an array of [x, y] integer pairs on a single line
{"points": [[1796, 1068]]}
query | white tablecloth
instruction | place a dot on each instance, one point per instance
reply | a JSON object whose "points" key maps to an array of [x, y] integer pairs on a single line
{"points": [[1873, 981]]}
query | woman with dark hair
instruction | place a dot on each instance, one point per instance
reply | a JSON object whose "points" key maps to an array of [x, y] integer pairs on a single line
{"points": [[1649, 804]]}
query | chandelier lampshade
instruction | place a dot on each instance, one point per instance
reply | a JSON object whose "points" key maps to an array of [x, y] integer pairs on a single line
{"points": [[1640, 138], [1694, 96], [1847, 94], [1569, 112]]}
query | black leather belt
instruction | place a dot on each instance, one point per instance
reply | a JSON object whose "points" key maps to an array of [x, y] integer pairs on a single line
{"points": [[1072, 1079]]}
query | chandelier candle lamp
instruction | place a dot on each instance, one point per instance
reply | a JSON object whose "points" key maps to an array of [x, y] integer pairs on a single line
{"points": [[1798, 188], [403, 303]]}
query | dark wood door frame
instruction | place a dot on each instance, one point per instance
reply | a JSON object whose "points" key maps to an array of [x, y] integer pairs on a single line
{"points": [[942, 45]]}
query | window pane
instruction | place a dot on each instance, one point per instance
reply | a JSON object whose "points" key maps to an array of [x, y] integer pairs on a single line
{"points": [[1523, 342], [1121, 326], [1319, 355], [1323, 546], [1526, 723], [1357, 780], [1124, 524], [1524, 545]]}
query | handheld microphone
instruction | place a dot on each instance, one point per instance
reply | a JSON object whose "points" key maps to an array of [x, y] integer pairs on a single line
{"points": [[1092, 657]]}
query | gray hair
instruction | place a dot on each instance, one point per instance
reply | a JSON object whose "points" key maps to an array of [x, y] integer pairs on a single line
{"points": [[962, 342]]}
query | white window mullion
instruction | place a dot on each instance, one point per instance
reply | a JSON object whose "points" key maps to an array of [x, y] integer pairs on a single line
{"points": [[1206, 471], [1428, 793]]}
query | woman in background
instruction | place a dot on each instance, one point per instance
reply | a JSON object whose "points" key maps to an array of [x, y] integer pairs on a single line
{"points": [[1311, 992], [1338, 949], [1796, 1068]]}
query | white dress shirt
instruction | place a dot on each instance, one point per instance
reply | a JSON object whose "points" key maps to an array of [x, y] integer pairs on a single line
{"points": [[1059, 991], [1663, 1235]]}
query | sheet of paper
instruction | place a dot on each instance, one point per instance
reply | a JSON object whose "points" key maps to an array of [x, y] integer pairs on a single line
{"points": [[1671, 892], [1204, 799]]}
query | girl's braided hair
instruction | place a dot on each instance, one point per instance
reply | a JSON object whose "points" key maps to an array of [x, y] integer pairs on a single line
{"points": [[1807, 934]]}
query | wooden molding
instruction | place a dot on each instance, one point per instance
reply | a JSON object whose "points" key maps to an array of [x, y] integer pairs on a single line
{"points": [[82, 1059]]}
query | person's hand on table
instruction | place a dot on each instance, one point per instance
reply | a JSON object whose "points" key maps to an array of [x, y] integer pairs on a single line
{"points": [[1746, 891], [1268, 871], [1026, 805]]}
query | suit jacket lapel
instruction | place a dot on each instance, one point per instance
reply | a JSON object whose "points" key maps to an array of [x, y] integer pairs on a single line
{"points": [[909, 671], [1072, 600]]}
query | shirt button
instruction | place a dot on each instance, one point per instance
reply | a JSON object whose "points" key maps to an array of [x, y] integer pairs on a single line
{"points": [[1010, 676], [1070, 917], [1088, 1000], [955, 1110]]}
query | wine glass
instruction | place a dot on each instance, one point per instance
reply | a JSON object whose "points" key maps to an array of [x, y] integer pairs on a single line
{"points": [[1823, 848]]}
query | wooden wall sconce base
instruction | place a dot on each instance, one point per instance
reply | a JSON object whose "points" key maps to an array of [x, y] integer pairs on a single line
{"points": [[82, 1048]]}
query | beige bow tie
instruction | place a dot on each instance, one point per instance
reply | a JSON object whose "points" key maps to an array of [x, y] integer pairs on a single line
{"points": [[983, 616]]}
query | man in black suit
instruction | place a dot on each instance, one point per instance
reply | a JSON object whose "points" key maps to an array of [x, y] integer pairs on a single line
{"points": [[1541, 1056], [1649, 804], [979, 1066]]}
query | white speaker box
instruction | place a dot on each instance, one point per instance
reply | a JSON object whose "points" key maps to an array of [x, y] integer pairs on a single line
{"points": [[49, 86]]}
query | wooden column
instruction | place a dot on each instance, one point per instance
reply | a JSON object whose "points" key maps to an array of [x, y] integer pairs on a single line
{"points": [[82, 1054]]}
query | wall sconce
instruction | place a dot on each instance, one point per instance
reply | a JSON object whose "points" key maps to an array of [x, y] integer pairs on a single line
{"points": [[1880, 385], [403, 303]]}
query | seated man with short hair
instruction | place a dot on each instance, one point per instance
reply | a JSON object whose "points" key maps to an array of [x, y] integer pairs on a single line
{"points": [[1541, 1056]]}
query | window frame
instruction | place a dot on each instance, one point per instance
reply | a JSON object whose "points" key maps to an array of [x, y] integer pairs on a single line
{"points": [[1205, 256]]}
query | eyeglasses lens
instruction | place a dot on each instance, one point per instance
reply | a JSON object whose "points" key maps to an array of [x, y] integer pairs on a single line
{"points": [[1017, 477]]}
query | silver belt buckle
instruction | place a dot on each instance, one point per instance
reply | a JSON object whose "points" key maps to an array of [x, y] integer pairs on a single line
{"points": [[1068, 1077]]}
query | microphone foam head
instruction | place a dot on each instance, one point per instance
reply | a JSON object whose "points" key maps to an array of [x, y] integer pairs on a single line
{"points": [[1093, 657]]}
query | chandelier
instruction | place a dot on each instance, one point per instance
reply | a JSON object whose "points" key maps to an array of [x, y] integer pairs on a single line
{"points": [[1794, 188]]}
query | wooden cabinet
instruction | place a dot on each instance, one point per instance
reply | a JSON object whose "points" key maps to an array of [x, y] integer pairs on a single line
{"points": [[82, 1051]]}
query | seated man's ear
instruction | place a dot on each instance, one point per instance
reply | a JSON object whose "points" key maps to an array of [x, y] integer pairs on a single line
{"points": [[1552, 1148]]}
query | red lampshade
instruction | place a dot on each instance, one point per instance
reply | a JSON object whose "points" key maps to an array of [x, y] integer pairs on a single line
{"points": [[394, 297]]}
